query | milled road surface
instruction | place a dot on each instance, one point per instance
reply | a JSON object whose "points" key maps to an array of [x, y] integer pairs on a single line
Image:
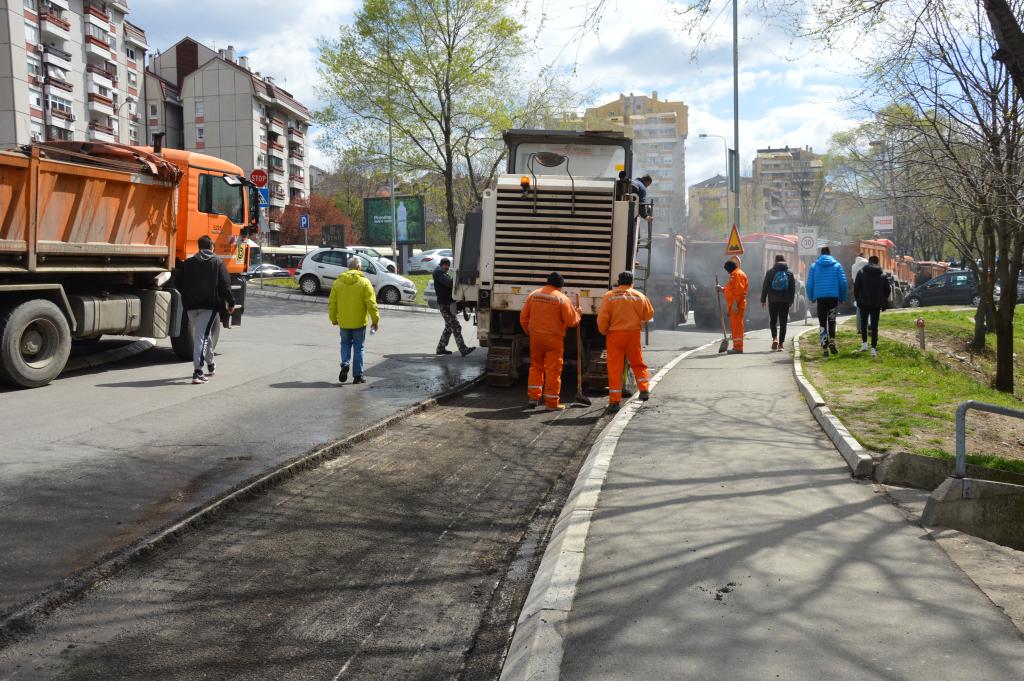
{"points": [[405, 558], [98, 459]]}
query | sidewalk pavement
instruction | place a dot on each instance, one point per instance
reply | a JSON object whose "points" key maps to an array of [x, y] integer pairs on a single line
{"points": [[730, 543]]}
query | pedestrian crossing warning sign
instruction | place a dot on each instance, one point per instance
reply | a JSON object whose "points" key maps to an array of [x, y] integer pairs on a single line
{"points": [[734, 246]]}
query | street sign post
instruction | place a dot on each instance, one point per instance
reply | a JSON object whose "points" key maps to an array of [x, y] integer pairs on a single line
{"points": [[734, 246], [808, 240], [883, 225], [258, 177]]}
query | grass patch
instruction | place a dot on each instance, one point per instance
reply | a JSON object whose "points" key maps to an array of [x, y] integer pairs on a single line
{"points": [[283, 282], [421, 285], [906, 399]]}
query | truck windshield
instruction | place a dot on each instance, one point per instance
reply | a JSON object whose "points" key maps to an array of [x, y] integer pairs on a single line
{"points": [[217, 197], [585, 160]]}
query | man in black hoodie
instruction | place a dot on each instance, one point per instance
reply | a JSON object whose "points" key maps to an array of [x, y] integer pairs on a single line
{"points": [[778, 290], [871, 290], [205, 287]]}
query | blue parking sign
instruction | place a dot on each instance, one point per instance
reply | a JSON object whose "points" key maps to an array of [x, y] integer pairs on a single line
{"points": [[304, 221]]}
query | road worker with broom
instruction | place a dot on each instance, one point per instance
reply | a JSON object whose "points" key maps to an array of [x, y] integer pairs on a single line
{"points": [[621, 317], [735, 293], [545, 317]]}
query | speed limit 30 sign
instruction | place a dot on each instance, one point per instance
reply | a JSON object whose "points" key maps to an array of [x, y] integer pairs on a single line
{"points": [[808, 240]]}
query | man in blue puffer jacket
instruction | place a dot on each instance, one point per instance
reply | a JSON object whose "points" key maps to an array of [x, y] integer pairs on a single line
{"points": [[826, 285]]}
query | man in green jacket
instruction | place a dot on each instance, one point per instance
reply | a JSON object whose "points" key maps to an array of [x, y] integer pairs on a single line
{"points": [[352, 302]]}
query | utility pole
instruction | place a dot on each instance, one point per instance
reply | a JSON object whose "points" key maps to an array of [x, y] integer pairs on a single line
{"points": [[736, 106]]}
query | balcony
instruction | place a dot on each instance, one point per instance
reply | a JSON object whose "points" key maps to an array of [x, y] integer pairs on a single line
{"points": [[100, 104], [98, 13], [97, 47], [57, 57], [100, 77], [295, 133], [135, 36], [277, 149], [62, 119], [277, 125], [296, 153], [276, 170], [297, 179], [54, 25], [101, 133], [52, 83]]}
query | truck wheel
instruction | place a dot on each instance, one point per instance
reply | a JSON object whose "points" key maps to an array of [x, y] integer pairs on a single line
{"points": [[35, 342], [182, 344]]}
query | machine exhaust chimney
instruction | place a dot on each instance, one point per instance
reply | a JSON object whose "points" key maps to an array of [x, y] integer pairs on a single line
{"points": [[158, 143]]}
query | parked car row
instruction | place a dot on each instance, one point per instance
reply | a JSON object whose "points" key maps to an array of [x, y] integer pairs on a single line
{"points": [[322, 266]]}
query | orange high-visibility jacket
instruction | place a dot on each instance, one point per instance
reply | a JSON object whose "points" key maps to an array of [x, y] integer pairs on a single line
{"points": [[624, 309], [736, 290], [548, 312]]}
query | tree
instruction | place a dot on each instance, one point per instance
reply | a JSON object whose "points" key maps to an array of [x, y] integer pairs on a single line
{"points": [[443, 77], [322, 213]]}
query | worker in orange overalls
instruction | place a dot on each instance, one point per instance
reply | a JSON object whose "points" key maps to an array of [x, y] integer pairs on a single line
{"points": [[735, 293], [545, 317], [621, 317]]}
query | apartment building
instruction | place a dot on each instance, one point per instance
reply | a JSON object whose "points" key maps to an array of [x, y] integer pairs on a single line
{"points": [[708, 200], [211, 101], [658, 129], [797, 192], [70, 69]]}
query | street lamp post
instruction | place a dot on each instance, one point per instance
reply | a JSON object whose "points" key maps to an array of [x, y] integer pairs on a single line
{"points": [[736, 107], [725, 148]]}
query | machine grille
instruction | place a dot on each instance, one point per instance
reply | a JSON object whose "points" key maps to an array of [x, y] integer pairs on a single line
{"points": [[558, 232]]}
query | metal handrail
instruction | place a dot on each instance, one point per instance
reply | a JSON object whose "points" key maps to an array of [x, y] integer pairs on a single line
{"points": [[961, 429]]}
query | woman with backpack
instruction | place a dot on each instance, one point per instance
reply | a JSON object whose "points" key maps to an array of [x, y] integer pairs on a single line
{"points": [[778, 291]]}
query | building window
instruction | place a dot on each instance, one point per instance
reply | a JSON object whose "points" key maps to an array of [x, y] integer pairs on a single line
{"points": [[263, 135], [35, 67], [31, 33], [59, 103], [133, 79], [37, 131], [112, 41], [55, 133], [200, 108], [152, 111], [30, 4], [130, 52], [133, 133], [261, 161], [35, 98], [200, 133]]}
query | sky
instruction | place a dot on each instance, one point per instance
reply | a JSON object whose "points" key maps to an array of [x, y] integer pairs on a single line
{"points": [[790, 93]]}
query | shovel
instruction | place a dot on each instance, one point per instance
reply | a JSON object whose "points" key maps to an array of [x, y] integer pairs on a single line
{"points": [[724, 345], [580, 400]]}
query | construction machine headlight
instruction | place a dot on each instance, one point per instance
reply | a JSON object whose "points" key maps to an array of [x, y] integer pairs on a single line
{"points": [[667, 299], [524, 182]]}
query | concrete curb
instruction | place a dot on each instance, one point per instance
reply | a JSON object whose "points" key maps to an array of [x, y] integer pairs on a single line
{"points": [[100, 358], [302, 298], [861, 464], [24, 618], [535, 653]]}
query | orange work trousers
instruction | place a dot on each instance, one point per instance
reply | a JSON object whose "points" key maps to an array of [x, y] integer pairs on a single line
{"points": [[622, 345], [736, 327], [545, 369]]}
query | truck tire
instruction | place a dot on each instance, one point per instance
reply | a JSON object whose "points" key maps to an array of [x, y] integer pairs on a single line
{"points": [[35, 342], [182, 343]]}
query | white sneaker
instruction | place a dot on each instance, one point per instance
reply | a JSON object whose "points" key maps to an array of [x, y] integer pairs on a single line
{"points": [[863, 347], [874, 352]]}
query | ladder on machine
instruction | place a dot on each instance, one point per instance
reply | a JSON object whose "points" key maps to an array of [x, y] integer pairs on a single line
{"points": [[642, 260]]}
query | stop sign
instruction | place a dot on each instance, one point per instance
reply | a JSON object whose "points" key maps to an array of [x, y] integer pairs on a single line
{"points": [[259, 177]]}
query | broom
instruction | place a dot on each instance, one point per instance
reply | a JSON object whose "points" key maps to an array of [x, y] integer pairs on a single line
{"points": [[724, 345], [580, 400]]}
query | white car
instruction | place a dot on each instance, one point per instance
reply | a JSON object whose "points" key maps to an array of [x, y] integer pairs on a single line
{"points": [[427, 261], [430, 295], [389, 265], [322, 266]]}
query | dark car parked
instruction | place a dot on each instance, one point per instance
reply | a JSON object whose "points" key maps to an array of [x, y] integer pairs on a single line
{"points": [[955, 287], [266, 270]]}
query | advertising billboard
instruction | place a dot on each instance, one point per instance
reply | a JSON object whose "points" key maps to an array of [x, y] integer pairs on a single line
{"points": [[410, 220]]}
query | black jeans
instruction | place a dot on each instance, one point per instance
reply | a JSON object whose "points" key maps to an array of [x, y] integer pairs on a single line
{"points": [[778, 315], [827, 318], [869, 318]]}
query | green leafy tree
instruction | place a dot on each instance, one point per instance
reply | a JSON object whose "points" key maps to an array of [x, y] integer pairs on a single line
{"points": [[443, 76]]}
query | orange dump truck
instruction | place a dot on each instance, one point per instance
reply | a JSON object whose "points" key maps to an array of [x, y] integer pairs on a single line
{"points": [[90, 236]]}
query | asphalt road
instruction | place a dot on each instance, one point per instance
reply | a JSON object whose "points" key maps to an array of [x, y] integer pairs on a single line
{"points": [[405, 558], [101, 458]]}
